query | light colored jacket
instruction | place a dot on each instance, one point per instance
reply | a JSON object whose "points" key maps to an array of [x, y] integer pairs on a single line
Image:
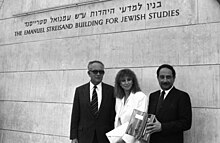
{"points": [[137, 101]]}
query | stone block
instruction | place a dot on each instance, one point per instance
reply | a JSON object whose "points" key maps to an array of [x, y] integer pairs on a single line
{"points": [[36, 117], [9, 136], [205, 126], [202, 84], [208, 11]]}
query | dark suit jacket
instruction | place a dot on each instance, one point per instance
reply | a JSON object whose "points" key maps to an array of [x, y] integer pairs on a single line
{"points": [[83, 123], [175, 116]]}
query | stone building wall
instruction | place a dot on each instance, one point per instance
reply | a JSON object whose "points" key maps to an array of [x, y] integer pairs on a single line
{"points": [[45, 47]]}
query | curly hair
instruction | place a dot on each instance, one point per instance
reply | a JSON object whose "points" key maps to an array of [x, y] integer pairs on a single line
{"points": [[118, 90]]}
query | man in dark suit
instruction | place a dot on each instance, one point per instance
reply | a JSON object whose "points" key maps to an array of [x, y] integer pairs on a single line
{"points": [[93, 111], [173, 109]]}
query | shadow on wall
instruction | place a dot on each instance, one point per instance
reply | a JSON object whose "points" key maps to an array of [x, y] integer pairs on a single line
{"points": [[218, 1]]}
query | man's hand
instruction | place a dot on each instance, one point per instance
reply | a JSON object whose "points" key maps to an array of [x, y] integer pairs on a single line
{"points": [[154, 127], [74, 141]]}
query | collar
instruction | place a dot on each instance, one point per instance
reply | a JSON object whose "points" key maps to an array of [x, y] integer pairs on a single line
{"points": [[166, 91], [91, 85]]}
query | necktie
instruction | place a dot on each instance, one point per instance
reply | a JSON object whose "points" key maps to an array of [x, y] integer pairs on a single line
{"points": [[94, 102], [160, 101]]}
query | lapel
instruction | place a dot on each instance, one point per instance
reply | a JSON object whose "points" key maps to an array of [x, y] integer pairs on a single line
{"points": [[104, 99], [86, 93], [167, 102], [87, 98], [103, 102], [169, 95], [157, 95], [153, 99]]}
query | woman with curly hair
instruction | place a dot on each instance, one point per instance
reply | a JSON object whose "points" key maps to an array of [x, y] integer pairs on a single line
{"points": [[128, 97]]}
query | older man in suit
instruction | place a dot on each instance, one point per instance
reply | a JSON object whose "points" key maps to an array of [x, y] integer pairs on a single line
{"points": [[93, 109], [172, 108]]}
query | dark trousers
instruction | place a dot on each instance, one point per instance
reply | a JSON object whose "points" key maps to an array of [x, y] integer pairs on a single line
{"points": [[95, 140]]}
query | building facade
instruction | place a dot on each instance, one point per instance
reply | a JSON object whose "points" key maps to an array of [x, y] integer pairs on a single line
{"points": [[45, 47]]}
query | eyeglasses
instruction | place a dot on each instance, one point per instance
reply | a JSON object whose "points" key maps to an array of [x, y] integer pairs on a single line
{"points": [[98, 71]]}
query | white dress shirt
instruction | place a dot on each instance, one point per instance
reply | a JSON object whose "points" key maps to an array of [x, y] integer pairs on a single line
{"points": [[99, 92], [166, 92]]}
